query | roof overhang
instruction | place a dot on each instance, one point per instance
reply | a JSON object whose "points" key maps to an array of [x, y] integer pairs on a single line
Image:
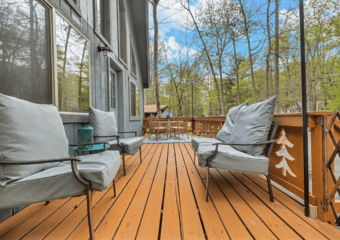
{"points": [[140, 18]]}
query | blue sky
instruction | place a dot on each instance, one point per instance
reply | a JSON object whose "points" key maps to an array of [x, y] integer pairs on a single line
{"points": [[172, 19]]}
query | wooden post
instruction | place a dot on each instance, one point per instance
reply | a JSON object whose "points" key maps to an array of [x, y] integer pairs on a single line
{"points": [[319, 157]]}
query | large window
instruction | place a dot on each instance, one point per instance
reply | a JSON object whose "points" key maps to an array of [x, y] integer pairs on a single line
{"points": [[122, 32], [72, 68], [134, 101], [25, 50], [113, 90]]}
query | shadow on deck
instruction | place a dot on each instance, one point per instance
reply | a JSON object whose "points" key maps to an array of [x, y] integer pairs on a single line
{"points": [[164, 198]]}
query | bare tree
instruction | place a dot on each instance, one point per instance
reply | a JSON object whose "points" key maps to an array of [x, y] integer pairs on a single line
{"points": [[155, 56], [186, 5], [246, 22], [277, 52]]}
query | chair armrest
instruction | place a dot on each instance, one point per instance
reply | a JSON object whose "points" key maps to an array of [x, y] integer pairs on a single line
{"points": [[74, 167], [41, 161], [88, 144], [135, 132], [199, 133], [246, 144]]}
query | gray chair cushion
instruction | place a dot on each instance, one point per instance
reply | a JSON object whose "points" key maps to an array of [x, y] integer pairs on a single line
{"points": [[195, 142], [252, 125], [59, 182], [130, 144], [103, 123], [29, 131], [233, 160], [224, 134]]}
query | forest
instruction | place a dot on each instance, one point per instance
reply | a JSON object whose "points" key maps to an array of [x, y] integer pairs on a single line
{"points": [[207, 56]]}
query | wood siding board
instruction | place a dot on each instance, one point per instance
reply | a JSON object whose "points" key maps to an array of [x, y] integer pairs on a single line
{"points": [[34, 220], [213, 225], [171, 228], [149, 226], [288, 216], [149, 194], [246, 215], [297, 208], [190, 219], [112, 220]]}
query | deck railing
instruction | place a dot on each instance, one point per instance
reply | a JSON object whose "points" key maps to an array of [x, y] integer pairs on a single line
{"points": [[286, 160]]}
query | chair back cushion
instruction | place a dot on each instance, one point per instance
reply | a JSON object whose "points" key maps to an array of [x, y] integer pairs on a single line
{"points": [[104, 124], [252, 125], [224, 134], [29, 132]]}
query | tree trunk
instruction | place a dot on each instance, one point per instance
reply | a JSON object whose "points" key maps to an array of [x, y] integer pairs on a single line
{"points": [[269, 51], [155, 59], [63, 78], [236, 66], [277, 52], [221, 83], [246, 28], [81, 76], [208, 56]]}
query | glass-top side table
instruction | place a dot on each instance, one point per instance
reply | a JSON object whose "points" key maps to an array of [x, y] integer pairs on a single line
{"points": [[94, 147]]}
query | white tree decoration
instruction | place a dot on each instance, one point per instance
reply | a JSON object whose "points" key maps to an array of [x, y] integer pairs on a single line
{"points": [[284, 153]]}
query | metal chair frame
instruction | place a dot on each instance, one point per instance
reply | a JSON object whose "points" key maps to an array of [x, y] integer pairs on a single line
{"points": [[76, 173], [269, 147]]}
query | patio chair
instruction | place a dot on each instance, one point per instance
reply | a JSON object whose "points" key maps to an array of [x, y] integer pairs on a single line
{"points": [[243, 150], [223, 135], [105, 130], [35, 165], [156, 127], [180, 127]]}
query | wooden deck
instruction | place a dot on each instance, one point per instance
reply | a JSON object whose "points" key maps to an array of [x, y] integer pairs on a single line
{"points": [[164, 198]]}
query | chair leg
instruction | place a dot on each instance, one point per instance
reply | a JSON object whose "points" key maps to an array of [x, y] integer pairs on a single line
{"points": [[124, 172], [207, 185], [89, 211], [270, 189], [140, 153], [114, 188]]}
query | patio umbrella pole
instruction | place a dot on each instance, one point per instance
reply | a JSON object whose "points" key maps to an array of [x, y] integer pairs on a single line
{"points": [[304, 109]]}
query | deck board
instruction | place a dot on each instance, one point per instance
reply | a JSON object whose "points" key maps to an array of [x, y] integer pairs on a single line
{"points": [[164, 197]]}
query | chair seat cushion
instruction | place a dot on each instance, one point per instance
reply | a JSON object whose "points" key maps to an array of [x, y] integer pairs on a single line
{"points": [[195, 142], [130, 144], [29, 132], [59, 182], [231, 159]]}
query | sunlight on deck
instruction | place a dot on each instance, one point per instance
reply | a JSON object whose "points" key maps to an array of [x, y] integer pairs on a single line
{"points": [[164, 198]]}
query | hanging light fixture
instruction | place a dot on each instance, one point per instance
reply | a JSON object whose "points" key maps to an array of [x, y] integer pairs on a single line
{"points": [[105, 49]]}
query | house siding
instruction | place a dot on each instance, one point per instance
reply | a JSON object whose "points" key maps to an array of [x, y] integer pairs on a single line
{"points": [[99, 70]]}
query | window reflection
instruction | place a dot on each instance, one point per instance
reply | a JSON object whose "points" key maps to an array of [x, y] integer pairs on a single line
{"points": [[135, 100], [72, 68], [24, 50]]}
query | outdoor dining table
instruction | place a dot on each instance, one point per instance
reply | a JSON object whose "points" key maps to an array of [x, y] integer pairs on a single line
{"points": [[168, 126]]}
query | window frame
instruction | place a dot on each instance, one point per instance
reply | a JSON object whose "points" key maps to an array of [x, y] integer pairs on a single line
{"points": [[75, 6], [133, 59], [112, 72], [54, 61], [125, 63], [135, 118], [106, 14]]}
